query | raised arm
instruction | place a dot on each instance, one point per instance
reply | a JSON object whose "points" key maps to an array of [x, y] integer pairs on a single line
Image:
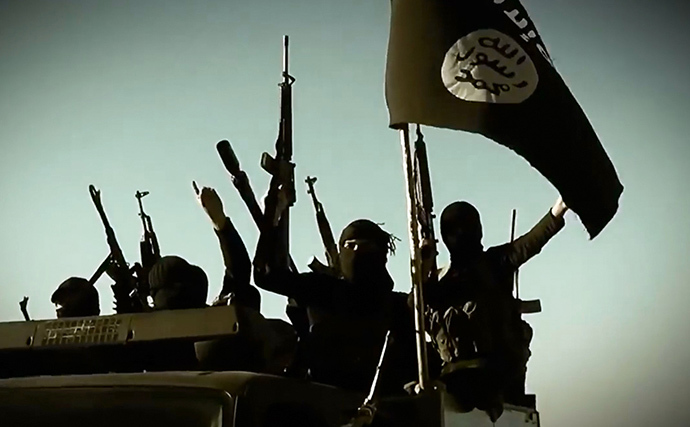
{"points": [[530, 244], [269, 275], [306, 288], [235, 256]]}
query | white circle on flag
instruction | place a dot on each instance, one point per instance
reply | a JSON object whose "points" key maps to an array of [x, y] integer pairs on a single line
{"points": [[489, 66]]}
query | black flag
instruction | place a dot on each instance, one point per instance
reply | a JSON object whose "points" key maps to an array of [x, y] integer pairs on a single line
{"points": [[480, 66]]}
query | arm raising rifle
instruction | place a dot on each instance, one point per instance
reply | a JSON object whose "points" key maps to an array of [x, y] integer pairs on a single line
{"points": [[148, 247], [273, 248], [326, 234], [150, 250], [240, 180], [281, 192], [128, 298]]}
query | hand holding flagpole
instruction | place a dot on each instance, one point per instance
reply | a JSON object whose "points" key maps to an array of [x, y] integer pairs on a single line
{"points": [[559, 208]]}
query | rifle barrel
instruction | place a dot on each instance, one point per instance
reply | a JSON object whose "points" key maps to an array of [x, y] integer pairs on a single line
{"points": [[286, 41]]}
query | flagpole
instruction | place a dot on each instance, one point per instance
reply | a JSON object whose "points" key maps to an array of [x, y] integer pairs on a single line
{"points": [[415, 260], [512, 238]]}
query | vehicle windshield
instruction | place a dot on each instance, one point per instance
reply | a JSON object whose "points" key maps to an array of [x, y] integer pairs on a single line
{"points": [[115, 407]]}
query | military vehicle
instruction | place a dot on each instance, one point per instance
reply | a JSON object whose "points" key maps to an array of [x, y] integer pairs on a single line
{"points": [[116, 371]]}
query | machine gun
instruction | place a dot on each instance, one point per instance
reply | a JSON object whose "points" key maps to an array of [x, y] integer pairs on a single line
{"points": [[326, 232], [148, 246], [281, 192], [128, 298]]}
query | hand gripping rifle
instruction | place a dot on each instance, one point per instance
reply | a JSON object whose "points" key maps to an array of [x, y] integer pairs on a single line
{"points": [[281, 192], [148, 246], [128, 299], [326, 235], [240, 180]]}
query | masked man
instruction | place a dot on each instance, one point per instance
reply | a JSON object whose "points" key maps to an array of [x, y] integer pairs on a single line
{"points": [[473, 314], [349, 315]]}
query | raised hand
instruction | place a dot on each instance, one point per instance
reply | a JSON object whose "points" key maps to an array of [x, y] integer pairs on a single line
{"points": [[212, 205], [559, 208]]}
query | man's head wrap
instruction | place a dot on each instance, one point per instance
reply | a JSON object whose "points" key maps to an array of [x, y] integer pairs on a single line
{"points": [[176, 284], [77, 298], [461, 227], [367, 266], [368, 230]]}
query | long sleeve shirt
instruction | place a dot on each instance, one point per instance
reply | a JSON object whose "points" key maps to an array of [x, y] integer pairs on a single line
{"points": [[493, 269], [348, 323], [237, 267]]}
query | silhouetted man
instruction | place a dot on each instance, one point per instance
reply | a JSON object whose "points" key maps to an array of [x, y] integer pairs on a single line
{"points": [[349, 315], [236, 280], [76, 297], [177, 284], [262, 345], [474, 315]]}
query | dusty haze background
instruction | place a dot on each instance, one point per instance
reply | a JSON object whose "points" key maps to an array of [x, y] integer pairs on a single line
{"points": [[133, 95]]}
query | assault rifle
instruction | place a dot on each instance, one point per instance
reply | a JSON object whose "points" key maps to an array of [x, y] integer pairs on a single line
{"points": [[148, 246], [128, 298], [281, 192], [326, 235]]}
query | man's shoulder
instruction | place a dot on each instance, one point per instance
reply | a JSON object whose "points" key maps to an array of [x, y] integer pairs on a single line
{"points": [[397, 295], [497, 255]]}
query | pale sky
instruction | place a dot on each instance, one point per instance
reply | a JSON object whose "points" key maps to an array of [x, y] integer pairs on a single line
{"points": [[133, 95]]}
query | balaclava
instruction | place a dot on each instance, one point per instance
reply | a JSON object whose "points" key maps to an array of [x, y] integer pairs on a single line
{"points": [[365, 262], [461, 230]]}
